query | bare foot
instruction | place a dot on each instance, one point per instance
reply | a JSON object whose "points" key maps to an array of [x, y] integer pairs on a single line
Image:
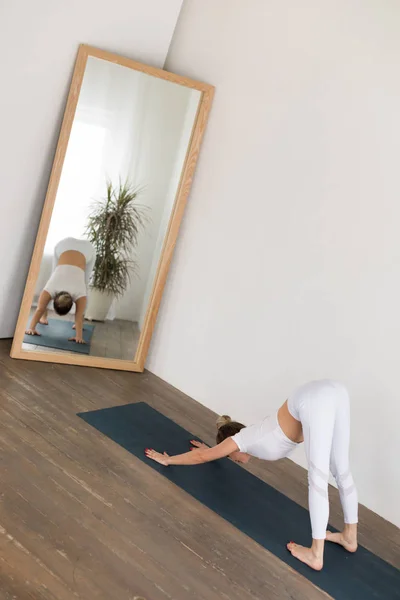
{"points": [[44, 321], [305, 555], [348, 543]]}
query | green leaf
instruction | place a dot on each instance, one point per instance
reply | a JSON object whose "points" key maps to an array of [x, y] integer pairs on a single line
{"points": [[114, 226]]}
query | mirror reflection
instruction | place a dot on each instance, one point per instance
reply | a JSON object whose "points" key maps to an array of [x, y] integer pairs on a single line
{"points": [[116, 194]]}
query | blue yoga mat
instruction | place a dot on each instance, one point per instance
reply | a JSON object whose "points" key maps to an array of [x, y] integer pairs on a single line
{"points": [[250, 504], [56, 334]]}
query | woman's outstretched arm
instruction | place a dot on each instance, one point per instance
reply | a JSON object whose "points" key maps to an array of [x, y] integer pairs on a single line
{"points": [[79, 317], [195, 457], [44, 300]]}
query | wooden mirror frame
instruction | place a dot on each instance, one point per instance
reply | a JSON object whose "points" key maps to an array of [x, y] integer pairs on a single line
{"points": [[138, 361]]}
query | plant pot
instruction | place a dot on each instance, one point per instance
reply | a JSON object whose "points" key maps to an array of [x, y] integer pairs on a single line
{"points": [[99, 304]]}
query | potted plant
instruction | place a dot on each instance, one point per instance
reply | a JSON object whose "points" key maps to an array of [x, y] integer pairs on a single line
{"points": [[113, 227]]}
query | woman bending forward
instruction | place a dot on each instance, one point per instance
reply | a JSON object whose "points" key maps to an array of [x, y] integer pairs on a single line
{"points": [[317, 414], [73, 264]]}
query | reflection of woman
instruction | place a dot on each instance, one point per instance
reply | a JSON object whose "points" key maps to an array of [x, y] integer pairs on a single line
{"points": [[318, 414], [73, 263]]}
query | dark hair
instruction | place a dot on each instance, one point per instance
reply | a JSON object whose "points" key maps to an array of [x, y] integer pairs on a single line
{"points": [[227, 428], [62, 303]]}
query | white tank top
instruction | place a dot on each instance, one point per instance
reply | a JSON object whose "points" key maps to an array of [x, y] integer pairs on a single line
{"points": [[67, 278], [265, 440]]}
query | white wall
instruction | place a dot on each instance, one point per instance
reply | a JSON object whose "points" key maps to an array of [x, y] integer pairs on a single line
{"points": [[288, 265], [180, 151], [41, 40], [162, 121]]}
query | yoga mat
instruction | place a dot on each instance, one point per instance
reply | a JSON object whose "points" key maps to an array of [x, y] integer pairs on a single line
{"points": [[250, 504], [56, 334]]}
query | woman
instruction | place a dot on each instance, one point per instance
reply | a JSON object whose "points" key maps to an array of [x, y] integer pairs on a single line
{"points": [[73, 263], [317, 413]]}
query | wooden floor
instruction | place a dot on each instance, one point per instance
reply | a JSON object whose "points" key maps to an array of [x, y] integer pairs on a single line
{"points": [[82, 518], [111, 339]]}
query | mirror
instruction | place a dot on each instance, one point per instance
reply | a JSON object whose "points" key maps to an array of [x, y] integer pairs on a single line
{"points": [[124, 163]]}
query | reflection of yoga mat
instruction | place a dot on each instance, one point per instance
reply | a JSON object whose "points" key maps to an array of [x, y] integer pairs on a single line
{"points": [[56, 334], [250, 504]]}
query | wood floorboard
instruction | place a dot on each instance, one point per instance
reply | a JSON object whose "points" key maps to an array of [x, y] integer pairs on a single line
{"points": [[82, 518]]}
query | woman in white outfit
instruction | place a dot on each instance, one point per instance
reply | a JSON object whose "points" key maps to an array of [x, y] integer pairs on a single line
{"points": [[73, 263], [317, 414]]}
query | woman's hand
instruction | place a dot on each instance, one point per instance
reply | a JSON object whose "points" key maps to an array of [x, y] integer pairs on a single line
{"points": [[77, 339], [32, 331], [198, 444], [162, 459], [200, 456]]}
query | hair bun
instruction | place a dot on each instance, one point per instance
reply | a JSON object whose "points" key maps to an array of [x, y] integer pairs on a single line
{"points": [[223, 420]]}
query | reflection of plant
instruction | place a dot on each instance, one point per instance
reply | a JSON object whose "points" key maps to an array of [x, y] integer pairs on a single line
{"points": [[113, 228]]}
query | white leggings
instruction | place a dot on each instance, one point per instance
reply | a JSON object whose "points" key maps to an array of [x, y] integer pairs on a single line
{"points": [[323, 408], [83, 246]]}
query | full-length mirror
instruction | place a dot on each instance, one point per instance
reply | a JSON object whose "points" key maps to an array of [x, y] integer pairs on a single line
{"points": [[124, 163]]}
